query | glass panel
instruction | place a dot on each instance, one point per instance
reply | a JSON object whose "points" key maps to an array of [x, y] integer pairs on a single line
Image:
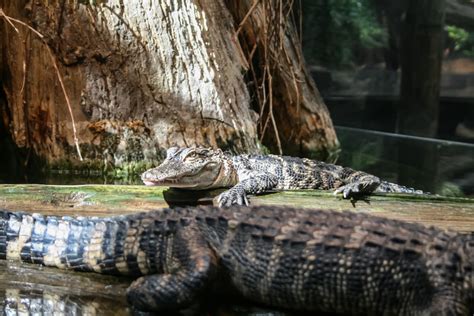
{"points": [[437, 166]]}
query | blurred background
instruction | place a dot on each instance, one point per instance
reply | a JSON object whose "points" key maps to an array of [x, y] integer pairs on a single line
{"points": [[361, 53]]}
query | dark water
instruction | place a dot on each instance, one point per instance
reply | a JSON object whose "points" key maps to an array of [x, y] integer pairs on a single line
{"points": [[65, 177]]}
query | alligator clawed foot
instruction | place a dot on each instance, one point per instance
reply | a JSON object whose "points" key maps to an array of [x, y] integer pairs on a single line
{"points": [[356, 188], [234, 196]]}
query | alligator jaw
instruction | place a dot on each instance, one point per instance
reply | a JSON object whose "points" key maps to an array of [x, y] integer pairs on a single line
{"points": [[206, 178], [173, 184], [151, 183], [170, 182]]}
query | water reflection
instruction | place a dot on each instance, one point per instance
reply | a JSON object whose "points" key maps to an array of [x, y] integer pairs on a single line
{"points": [[29, 289], [43, 302], [15, 301]]}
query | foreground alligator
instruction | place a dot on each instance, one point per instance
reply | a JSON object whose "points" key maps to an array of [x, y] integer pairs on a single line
{"points": [[202, 168], [297, 259]]}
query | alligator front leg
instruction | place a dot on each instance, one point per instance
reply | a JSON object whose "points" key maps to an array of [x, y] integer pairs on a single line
{"points": [[356, 182], [252, 184], [188, 270]]}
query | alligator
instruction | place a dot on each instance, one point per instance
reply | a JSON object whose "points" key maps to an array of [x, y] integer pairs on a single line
{"points": [[205, 168], [291, 258]]}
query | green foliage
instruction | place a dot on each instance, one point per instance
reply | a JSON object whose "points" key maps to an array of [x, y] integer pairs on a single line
{"points": [[334, 29], [463, 40], [451, 189]]}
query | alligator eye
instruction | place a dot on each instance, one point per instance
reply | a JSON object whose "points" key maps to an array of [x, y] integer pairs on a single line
{"points": [[192, 155]]}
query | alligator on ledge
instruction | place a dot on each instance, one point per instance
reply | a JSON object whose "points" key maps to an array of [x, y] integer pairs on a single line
{"points": [[203, 168], [300, 259]]}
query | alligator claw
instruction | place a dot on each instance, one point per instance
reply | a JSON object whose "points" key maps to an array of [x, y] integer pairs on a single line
{"points": [[234, 196], [351, 189]]}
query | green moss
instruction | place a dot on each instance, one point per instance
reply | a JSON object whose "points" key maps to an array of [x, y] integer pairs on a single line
{"points": [[105, 200], [264, 150], [451, 189]]}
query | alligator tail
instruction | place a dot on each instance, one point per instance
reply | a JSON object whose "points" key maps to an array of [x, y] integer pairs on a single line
{"points": [[86, 244], [389, 187]]}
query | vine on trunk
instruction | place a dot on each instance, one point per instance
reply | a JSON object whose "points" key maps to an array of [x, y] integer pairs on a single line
{"points": [[10, 21], [293, 118]]}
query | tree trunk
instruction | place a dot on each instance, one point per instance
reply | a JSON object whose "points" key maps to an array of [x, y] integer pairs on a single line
{"points": [[293, 117], [141, 76], [421, 56], [389, 14]]}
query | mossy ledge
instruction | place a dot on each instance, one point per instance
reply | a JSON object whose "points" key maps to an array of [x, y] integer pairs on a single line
{"points": [[107, 200]]}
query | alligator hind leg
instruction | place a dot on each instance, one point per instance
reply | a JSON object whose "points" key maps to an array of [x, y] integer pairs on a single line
{"points": [[190, 267]]}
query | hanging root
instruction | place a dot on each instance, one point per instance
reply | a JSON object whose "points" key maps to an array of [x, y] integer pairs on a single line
{"points": [[262, 32], [10, 21]]}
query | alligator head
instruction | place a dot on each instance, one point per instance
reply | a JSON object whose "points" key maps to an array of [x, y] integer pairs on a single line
{"points": [[192, 168]]}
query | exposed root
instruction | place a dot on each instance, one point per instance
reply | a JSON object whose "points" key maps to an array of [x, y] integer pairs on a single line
{"points": [[10, 21], [263, 55]]}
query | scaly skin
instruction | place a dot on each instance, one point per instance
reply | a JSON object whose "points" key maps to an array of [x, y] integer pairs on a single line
{"points": [[298, 259], [201, 168]]}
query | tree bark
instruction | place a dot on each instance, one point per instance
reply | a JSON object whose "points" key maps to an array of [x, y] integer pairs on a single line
{"points": [[421, 56], [141, 76], [293, 117], [389, 14]]}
